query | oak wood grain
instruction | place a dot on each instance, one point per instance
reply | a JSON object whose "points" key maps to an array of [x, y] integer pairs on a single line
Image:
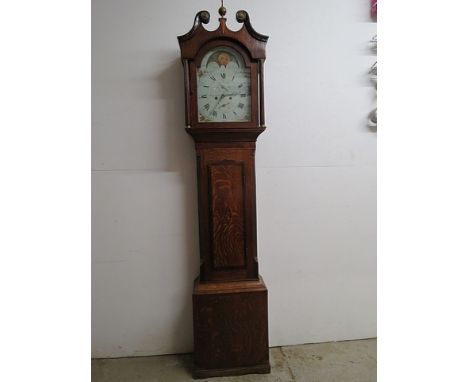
{"points": [[230, 307], [226, 180]]}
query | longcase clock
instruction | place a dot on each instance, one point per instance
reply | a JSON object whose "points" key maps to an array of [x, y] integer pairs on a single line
{"points": [[224, 113]]}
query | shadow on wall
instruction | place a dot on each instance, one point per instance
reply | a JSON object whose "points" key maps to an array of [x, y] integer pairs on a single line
{"points": [[142, 276], [181, 159], [180, 147]]}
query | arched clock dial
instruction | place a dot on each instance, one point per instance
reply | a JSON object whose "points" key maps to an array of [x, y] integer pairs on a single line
{"points": [[223, 84]]}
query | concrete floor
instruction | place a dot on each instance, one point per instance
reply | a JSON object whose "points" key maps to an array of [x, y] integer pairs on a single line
{"points": [[349, 361]]}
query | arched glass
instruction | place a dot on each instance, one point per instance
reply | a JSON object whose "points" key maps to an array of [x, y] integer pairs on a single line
{"points": [[223, 83]]}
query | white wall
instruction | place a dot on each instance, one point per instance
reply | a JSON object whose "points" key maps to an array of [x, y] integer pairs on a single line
{"points": [[316, 174]]}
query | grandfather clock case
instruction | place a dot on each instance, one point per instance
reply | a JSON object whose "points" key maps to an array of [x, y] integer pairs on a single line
{"points": [[224, 113]]}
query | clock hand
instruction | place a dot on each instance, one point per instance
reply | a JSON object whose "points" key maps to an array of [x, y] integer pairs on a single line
{"points": [[220, 98]]}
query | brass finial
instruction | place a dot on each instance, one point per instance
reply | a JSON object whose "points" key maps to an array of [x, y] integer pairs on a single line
{"points": [[222, 9]]}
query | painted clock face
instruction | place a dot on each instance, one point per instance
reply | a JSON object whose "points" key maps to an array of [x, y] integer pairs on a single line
{"points": [[223, 84]]}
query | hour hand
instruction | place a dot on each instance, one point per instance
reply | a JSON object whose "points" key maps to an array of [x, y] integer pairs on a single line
{"points": [[217, 103]]}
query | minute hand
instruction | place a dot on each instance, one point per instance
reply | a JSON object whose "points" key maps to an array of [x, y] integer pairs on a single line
{"points": [[215, 106]]}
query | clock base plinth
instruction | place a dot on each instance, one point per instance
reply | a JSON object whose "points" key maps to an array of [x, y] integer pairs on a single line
{"points": [[230, 328], [208, 373]]}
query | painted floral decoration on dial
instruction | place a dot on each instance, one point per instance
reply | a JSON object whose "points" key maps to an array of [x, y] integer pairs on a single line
{"points": [[223, 84]]}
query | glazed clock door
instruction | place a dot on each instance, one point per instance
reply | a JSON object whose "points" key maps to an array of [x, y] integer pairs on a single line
{"points": [[223, 87]]}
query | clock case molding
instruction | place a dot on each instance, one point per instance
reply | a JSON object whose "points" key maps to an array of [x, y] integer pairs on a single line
{"points": [[230, 309]]}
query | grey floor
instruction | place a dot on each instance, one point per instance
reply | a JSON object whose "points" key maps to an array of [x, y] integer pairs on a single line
{"points": [[348, 361]]}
